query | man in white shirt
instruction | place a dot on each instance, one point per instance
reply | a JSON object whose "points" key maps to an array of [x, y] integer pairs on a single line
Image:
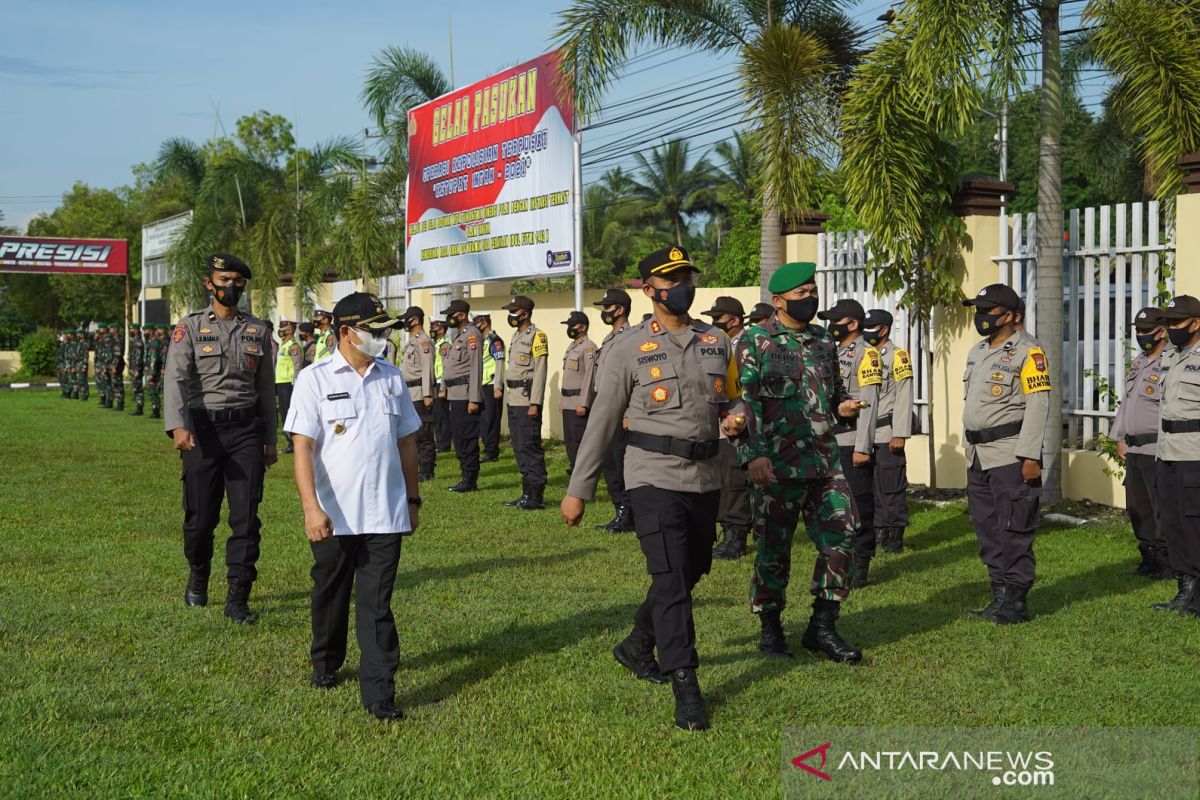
{"points": [[353, 426]]}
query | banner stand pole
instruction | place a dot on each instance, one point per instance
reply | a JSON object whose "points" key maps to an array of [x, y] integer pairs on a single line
{"points": [[128, 319], [578, 146]]}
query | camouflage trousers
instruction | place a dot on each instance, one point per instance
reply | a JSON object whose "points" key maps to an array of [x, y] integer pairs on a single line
{"points": [[829, 517], [154, 392], [135, 388], [81, 383], [116, 388], [102, 384]]}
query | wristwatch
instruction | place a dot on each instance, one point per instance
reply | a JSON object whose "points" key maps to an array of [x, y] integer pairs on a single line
{"points": [[415, 500]]}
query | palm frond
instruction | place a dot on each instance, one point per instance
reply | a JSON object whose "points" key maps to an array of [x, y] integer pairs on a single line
{"points": [[399, 79]]}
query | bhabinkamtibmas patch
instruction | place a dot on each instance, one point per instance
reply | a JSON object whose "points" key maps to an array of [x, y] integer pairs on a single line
{"points": [[540, 346], [901, 366], [870, 369], [1035, 373]]}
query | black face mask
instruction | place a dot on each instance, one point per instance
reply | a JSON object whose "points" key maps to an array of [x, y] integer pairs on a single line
{"points": [[987, 324], [228, 296], [451, 322], [574, 333], [873, 337], [514, 320], [608, 317], [839, 332], [1179, 336], [678, 299], [1147, 341], [801, 310]]}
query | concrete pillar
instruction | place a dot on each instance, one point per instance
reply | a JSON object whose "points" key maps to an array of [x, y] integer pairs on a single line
{"points": [[800, 235], [1187, 229]]}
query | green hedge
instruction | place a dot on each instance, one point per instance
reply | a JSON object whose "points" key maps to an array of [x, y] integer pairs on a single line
{"points": [[38, 351]]}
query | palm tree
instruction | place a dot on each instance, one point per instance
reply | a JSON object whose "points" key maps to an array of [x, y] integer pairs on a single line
{"points": [[398, 80], [670, 186], [793, 61]]}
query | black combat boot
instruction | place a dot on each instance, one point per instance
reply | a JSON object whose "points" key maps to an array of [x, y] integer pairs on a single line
{"points": [[623, 523], [236, 602], [689, 703], [1162, 565], [137, 410], [467, 484], [533, 500], [120, 405], [155, 415], [862, 569], [1012, 611], [997, 600], [1187, 588], [771, 641], [733, 546], [196, 593], [425, 473], [822, 636], [1146, 567], [104, 402], [518, 501], [893, 540], [636, 653]]}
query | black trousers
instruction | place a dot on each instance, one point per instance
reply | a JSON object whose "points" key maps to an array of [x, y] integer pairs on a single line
{"points": [[1004, 513], [441, 424], [464, 427], [734, 511], [227, 461], [426, 448], [1179, 513], [614, 469], [337, 562], [862, 489], [526, 433], [891, 488], [573, 428], [489, 422], [283, 399], [676, 531], [1141, 501]]}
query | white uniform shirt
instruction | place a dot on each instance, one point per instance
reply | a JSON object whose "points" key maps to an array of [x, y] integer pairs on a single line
{"points": [[355, 421]]}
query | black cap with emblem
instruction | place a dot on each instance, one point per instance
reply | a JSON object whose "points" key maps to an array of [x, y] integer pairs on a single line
{"points": [[761, 311], [725, 305], [1182, 307], [520, 302], [996, 295], [668, 259], [363, 310], [576, 318], [458, 307], [413, 311], [223, 262], [614, 297], [845, 307], [876, 317], [1148, 319]]}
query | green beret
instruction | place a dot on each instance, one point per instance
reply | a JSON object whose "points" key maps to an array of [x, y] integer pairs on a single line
{"points": [[789, 276]]}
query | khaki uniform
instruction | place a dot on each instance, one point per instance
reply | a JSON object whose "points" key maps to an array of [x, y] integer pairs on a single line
{"points": [[416, 364], [861, 368], [614, 463], [1007, 394], [894, 421], [462, 381], [1178, 468], [1136, 424], [525, 386], [579, 364]]}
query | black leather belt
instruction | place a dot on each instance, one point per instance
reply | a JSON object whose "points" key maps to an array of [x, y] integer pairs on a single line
{"points": [[667, 445], [523, 384], [1141, 439], [224, 415], [411, 384], [570, 392], [1181, 425], [456, 381], [883, 421], [995, 434]]}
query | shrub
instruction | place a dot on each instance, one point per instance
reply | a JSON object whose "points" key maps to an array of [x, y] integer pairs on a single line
{"points": [[38, 355]]}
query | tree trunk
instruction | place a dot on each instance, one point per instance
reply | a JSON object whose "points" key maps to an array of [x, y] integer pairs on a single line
{"points": [[770, 243], [1050, 244], [678, 231]]}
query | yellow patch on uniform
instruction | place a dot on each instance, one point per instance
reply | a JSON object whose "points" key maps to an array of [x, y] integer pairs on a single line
{"points": [[870, 370], [1152, 378], [901, 366], [473, 342], [655, 372], [660, 394], [540, 346], [1035, 372], [206, 330], [997, 376], [709, 338], [294, 350], [180, 332], [718, 385], [424, 347], [997, 390], [1150, 390], [648, 347], [655, 327], [252, 330], [208, 348]]}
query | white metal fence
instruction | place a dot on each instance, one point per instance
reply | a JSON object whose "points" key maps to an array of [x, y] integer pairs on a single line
{"points": [[842, 272], [1113, 259]]}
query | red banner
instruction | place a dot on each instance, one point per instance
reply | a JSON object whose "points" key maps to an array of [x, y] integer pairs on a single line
{"points": [[77, 256], [490, 180]]}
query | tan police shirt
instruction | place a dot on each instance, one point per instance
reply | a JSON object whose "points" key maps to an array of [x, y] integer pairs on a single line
{"points": [[1180, 401], [219, 364], [664, 389], [862, 373], [1003, 385], [526, 368], [417, 366], [600, 355], [579, 363], [1138, 413], [895, 394], [462, 364]]}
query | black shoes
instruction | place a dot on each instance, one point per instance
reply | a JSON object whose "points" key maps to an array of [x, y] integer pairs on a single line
{"points": [[891, 540], [519, 500], [998, 591], [155, 415], [733, 544], [236, 602], [137, 411], [771, 641], [467, 483], [822, 636], [1011, 610], [622, 522], [487, 458], [324, 680], [196, 593], [689, 703], [424, 473], [386, 711], [1187, 591], [533, 500], [862, 570], [636, 653]]}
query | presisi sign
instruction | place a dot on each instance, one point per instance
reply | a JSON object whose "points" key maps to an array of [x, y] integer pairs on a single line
{"points": [[70, 256]]}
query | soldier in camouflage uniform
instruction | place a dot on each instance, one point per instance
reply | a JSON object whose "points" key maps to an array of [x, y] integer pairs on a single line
{"points": [[137, 364], [156, 352], [794, 395], [85, 348], [60, 362], [116, 367], [78, 355], [100, 364]]}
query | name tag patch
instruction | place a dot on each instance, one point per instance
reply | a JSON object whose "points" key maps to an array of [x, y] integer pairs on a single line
{"points": [[338, 396]]}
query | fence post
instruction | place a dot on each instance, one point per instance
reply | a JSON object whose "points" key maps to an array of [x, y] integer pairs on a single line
{"points": [[1187, 229]]}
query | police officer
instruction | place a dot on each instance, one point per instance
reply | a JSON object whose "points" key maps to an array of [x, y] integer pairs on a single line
{"points": [[893, 427], [324, 334], [156, 355], [220, 411], [462, 388], [416, 363], [306, 337], [1178, 469], [441, 408], [673, 377], [1135, 430], [525, 384], [794, 394], [289, 360], [760, 313], [579, 362], [137, 367], [1007, 384], [862, 373], [734, 515], [614, 312], [493, 389]]}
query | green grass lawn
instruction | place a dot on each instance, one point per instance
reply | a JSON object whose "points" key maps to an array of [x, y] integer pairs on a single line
{"points": [[112, 688]]}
